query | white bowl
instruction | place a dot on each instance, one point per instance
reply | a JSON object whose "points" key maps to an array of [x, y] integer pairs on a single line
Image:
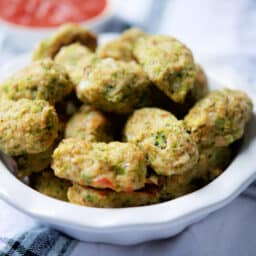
{"points": [[138, 224], [25, 37]]}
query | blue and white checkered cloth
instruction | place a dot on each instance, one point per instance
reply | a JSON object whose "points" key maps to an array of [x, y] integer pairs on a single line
{"points": [[38, 241]]}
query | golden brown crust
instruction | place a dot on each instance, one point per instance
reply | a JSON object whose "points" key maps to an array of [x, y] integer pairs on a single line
{"points": [[27, 126], [220, 118], [65, 35]]}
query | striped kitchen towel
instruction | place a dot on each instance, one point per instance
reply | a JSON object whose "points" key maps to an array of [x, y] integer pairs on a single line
{"points": [[37, 242]]}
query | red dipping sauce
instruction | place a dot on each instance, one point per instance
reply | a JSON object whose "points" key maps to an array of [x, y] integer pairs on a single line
{"points": [[49, 13]]}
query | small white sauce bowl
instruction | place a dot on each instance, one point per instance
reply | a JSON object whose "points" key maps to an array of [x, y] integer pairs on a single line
{"points": [[25, 37]]}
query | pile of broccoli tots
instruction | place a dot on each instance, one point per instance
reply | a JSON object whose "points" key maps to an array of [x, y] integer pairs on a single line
{"points": [[128, 123]]}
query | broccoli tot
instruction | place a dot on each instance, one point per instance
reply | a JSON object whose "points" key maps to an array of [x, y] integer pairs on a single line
{"points": [[74, 57], [27, 164], [65, 35], [212, 162], [111, 199], [175, 186], [41, 80], [113, 86], [219, 118], [27, 126], [115, 165], [30, 163], [200, 88], [168, 63], [121, 48], [46, 183], [88, 124], [167, 146]]}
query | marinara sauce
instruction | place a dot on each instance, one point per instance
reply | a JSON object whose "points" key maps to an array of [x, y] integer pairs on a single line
{"points": [[49, 13]]}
